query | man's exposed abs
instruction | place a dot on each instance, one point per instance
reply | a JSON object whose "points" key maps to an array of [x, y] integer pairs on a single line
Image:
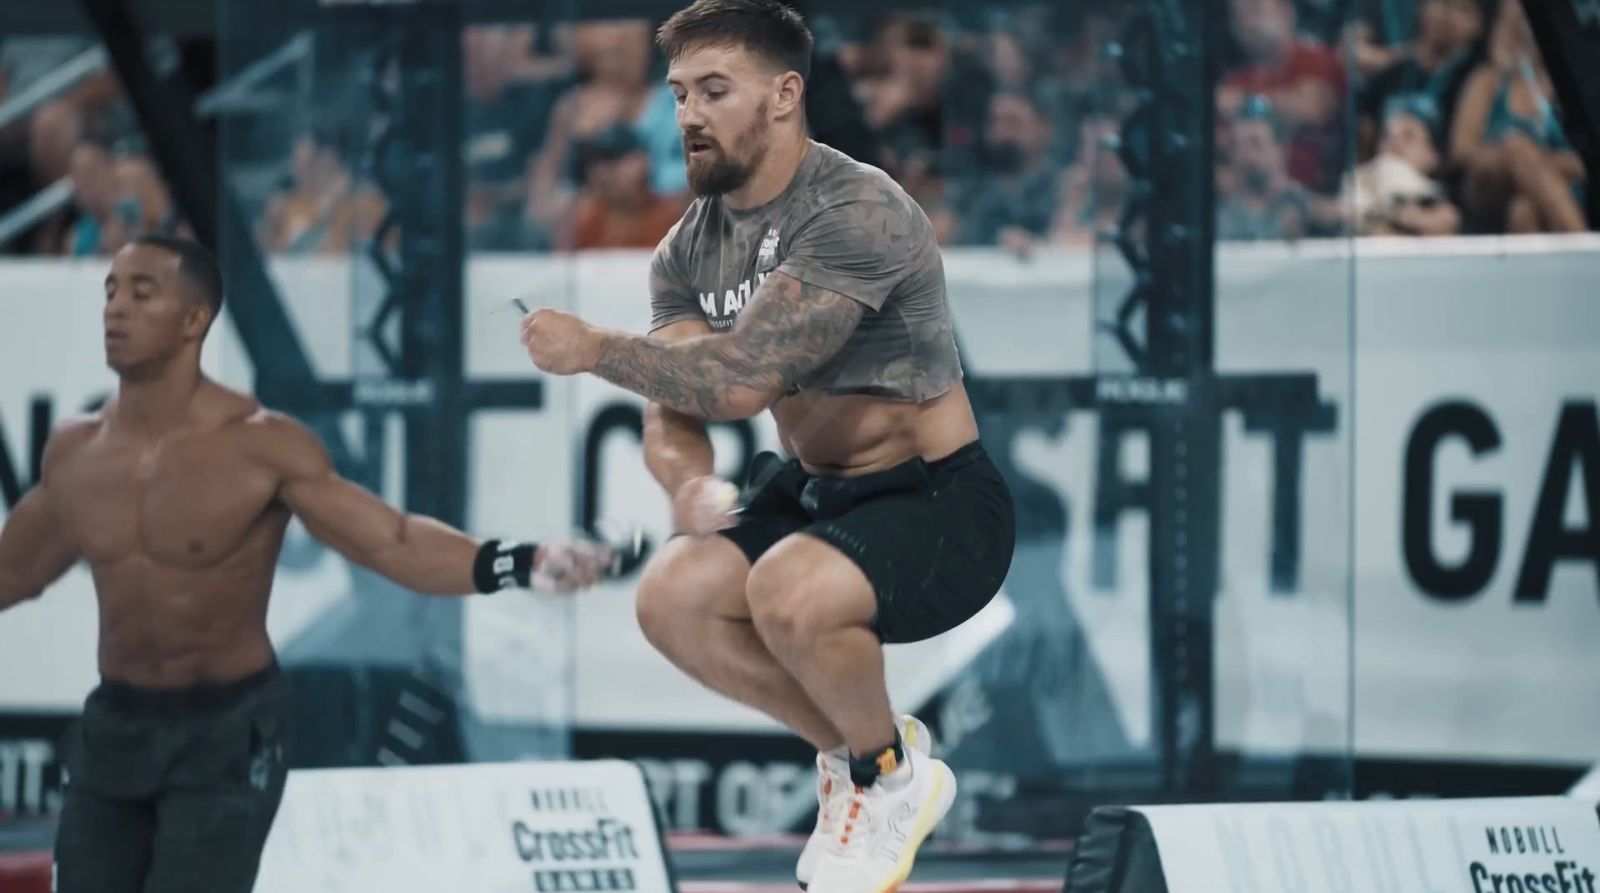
{"points": [[805, 283], [176, 495]]}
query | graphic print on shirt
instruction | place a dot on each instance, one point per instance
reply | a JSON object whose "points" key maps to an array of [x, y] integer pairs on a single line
{"points": [[722, 309]]}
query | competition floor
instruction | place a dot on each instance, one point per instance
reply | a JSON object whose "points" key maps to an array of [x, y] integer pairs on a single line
{"points": [[707, 864], [702, 863]]}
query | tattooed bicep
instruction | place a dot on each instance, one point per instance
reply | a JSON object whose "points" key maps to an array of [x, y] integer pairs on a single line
{"points": [[796, 325], [787, 330]]}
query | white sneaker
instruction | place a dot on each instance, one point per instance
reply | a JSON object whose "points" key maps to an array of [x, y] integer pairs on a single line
{"points": [[881, 829], [833, 791]]}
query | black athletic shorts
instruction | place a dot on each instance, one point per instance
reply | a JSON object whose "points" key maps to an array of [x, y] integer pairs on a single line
{"points": [[171, 791], [935, 539]]}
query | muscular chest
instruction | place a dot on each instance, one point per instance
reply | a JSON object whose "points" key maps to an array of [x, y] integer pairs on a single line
{"points": [[730, 264], [183, 502]]}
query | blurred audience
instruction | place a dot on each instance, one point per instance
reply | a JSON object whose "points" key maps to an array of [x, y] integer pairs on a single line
{"points": [[1397, 192], [1304, 81], [94, 198], [616, 205], [36, 150], [142, 203], [1010, 199], [614, 60], [1520, 174], [1447, 48], [116, 196], [1001, 121], [1368, 57], [927, 98], [1008, 61], [1080, 62], [54, 127], [320, 209], [1093, 187], [1257, 199], [512, 85]]}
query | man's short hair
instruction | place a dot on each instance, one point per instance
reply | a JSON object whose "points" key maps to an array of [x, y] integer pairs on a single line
{"points": [[195, 262], [766, 28]]}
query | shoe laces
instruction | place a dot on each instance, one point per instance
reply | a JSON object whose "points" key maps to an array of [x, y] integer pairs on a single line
{"points": [[852, 837], [832, 786]]}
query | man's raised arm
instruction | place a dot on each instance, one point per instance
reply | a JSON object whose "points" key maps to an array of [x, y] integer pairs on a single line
{"points": [[789, 329], [417, 552]]}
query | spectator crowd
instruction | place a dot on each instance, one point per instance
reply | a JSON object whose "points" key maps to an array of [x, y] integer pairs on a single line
{"points": [[1333, 117]]}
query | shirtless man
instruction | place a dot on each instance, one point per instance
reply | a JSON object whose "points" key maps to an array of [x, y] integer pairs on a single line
{"points": [[177, 494], [803, 282]]}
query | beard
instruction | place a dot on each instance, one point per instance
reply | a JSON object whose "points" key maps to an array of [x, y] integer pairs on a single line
{"points": [[1255, 179], [1006, 158], [723, 172]]}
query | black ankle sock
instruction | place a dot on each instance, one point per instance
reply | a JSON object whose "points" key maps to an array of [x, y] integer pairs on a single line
{"points": [[864, 770]]}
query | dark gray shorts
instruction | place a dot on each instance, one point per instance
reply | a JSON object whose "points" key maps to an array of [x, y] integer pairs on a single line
{"points": [[935, 539], [173, 791]]}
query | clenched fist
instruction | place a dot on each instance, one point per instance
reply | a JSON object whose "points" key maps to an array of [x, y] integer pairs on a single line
{"points": [[703, 506], [560, 343], [570, 566]]}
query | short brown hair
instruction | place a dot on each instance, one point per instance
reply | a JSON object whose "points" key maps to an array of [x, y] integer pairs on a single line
{"points": [[766, 28]]}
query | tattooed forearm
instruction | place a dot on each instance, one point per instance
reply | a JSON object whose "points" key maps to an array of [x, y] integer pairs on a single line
{"points": [[789, 329]]}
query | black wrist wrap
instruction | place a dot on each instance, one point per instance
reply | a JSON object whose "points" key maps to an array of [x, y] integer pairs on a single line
{"points": [[500, 565]]}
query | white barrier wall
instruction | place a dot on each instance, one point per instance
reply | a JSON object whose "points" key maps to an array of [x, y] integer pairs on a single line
{"points": [[1482, 845], [1463, 412], [492, 826]]}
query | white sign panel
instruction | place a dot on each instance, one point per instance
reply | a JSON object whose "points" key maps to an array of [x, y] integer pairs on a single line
{"points": [[1531, 845], [488, 828], [1421, 551]]}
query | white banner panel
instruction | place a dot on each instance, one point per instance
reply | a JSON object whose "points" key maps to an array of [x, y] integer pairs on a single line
{"points": [[489, 827], [1529, 845], [1425, 552]]}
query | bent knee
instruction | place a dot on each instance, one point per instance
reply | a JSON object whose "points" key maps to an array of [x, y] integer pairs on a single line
{"points": [[689, 579], [804, 588], [772, 583], [792, 619]]}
